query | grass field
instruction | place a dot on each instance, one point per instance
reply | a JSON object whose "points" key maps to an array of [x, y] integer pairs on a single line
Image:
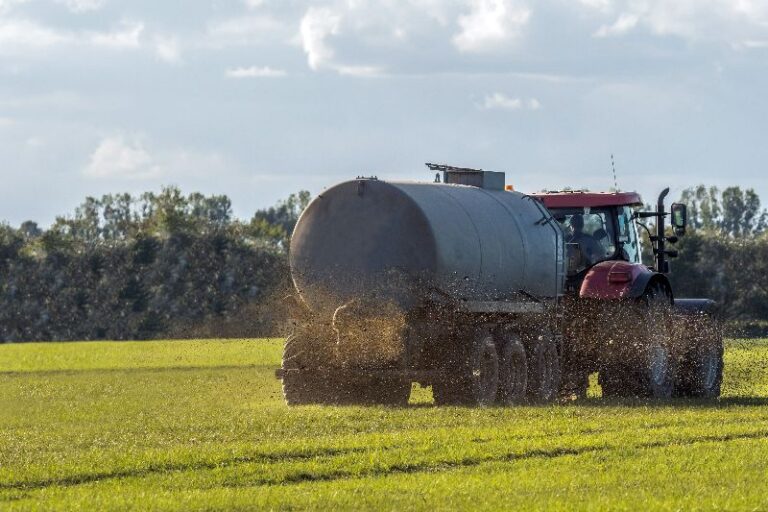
{"points": [[200, 425]]}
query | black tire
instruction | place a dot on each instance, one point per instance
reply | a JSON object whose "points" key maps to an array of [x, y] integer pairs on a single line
{"points": [[700, 374], [648, 368], [657, 359], [474, 376], [513, 371], [300, 385], [544, 371]]}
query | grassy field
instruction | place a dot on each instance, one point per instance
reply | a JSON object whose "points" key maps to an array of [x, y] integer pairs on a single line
{"points": [[200, 425]]}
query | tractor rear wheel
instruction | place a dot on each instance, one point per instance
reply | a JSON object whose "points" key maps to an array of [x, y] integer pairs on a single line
{"points": [[701, 369], [513, 370], [474, 375], [656, 367], [544, 370], [648, 368]]}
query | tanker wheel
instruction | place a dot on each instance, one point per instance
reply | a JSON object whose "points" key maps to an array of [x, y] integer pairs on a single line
{"points": [[701, 370], [656, 367], [474, 374], [544, 371], [513, 371], [300, 386]]}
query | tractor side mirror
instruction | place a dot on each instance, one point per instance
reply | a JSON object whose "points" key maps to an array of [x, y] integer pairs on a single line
{"points": [[679, 218]]}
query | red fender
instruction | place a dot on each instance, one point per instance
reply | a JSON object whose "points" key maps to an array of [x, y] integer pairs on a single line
{"points": [[613, 280]]}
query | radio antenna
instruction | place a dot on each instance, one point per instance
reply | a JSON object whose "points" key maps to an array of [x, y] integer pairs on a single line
{"points": [[615, 181]]}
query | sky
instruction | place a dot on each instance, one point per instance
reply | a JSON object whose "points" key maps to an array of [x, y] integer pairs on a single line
{"points": [[257, 99]]}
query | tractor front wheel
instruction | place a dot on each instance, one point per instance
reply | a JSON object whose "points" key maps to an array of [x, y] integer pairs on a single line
{"points": [[701, 369]]}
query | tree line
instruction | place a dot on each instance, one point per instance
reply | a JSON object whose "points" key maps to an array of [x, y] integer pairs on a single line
{"points": [[156, 265], [724, 256], [173, 265]]}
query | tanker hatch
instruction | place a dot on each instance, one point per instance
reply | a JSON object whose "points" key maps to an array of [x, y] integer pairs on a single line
{"points": [[490, 180]]}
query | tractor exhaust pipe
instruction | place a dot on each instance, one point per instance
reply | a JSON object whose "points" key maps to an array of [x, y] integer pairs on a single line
{"points": [[662, 265]]}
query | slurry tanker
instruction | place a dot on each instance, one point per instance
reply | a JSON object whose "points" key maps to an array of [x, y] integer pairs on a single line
{"points": [[489, 295]]}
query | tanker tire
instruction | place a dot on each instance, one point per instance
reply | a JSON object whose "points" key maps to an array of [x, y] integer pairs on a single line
{"points": [[474, 379], [544, 370], [302, 387], [656, 368], [513, 371], [701, 370]]}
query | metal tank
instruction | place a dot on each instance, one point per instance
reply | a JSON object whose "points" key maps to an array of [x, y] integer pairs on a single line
{"points": [[398, 242]]}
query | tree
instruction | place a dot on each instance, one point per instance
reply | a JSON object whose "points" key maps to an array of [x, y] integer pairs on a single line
{"points": [[734, 212]]}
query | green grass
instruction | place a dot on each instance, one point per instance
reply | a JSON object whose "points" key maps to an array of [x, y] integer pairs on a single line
{"points": [[200, 425]]}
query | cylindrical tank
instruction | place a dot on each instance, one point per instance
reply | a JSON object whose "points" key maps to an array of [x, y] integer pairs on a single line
{"points": [[396, 241]]}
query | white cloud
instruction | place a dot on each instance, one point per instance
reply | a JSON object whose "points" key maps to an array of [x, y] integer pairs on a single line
{"points": [[125, 158], [5, 122], [500, 101], [622, 25], [119, 157], [16, 33], [19, 33], [129, 36], [7, 5], [723, 20], [244, 30], [167, 49], [316, 26], [82, 5], [490, 24], [255, 72]]}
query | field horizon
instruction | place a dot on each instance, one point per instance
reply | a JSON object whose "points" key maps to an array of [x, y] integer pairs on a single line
{"points": [[201, 425]]}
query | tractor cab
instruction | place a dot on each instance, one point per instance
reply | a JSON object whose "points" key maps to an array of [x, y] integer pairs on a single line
{"points": [[597, 226]]}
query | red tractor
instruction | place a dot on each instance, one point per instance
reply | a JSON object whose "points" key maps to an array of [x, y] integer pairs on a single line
{"points": [[622, 318], [489, 296]]}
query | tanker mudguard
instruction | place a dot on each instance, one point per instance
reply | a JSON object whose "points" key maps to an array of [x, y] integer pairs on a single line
{"points": [[614, 280]]}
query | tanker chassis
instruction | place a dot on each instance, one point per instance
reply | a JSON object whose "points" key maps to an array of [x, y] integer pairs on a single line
{"points": [[489, 296]]}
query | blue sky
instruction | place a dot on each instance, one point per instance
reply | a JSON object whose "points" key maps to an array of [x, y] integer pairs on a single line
{"points": [[261, 98]]}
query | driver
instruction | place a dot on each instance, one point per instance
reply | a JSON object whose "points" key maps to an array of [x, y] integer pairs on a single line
{"points": [[589, 246]]}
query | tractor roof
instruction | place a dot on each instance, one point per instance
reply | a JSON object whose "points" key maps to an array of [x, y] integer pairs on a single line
{"points": [[580, 198]]}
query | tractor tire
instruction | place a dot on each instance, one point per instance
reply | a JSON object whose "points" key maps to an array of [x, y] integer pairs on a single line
{"points": [[474, 379], [513, 371], [301, 386], [544, 370], [700, 374], [656, 365]]}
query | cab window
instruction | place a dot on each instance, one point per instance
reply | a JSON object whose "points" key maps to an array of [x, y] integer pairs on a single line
{"points": [[591, 230], [627, 237]]}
